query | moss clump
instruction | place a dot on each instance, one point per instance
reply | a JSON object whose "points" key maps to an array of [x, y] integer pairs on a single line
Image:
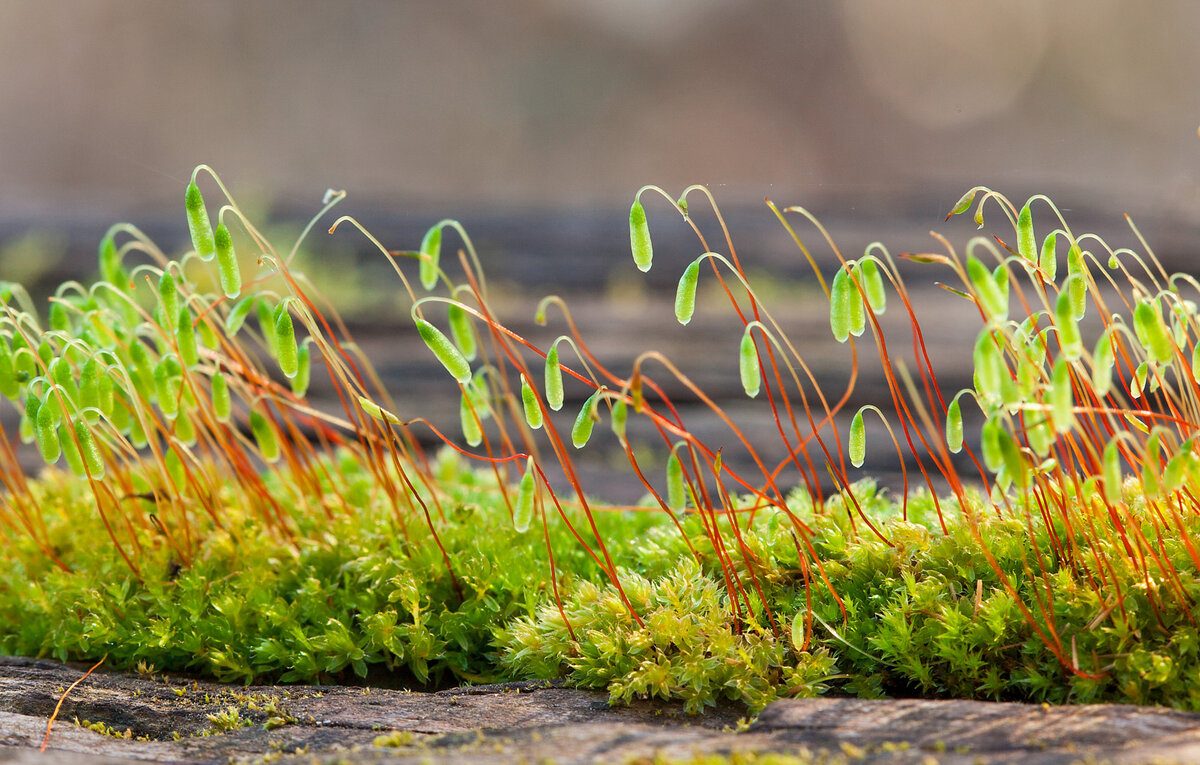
{"points": [[926, 614]]}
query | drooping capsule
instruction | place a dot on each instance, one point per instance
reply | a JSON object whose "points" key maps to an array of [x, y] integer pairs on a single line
{"points": [[46, 429], [222, 403], [469, 420], [1026, 242], [264, 436], [92, 459], [431, 251], [461, 331], [185, 338], [685, 293], [303, 369], [529, 402], [954, 427], [554, 380], [523, 510], [639, 237], [748, 366], [445, 351], [229, 272], [581, 432], [858, 440], [871, 280], [198, 223], [285, 341], [168, 298], [676, 491]]}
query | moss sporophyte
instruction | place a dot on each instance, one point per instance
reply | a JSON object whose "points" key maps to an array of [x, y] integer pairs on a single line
{"points": [[199, 514]]}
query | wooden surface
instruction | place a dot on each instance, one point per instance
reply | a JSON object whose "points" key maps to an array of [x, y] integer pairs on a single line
{"points": [[498, 724]]}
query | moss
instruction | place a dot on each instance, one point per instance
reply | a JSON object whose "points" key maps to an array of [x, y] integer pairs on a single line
{"points": [[250, 537]]}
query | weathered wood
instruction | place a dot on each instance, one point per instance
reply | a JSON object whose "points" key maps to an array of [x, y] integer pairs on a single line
{"points": [[543, 722]]}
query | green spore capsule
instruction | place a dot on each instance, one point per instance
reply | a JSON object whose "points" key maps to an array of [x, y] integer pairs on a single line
{"points": [[1048, 262], [110, 264], [462, 331], [470, 423], [1026, 242], [142, 372], [858, 440], [266, 325], [581, 432], [991, 446], [28, 426], [1102, 365], [872, 284], [9, 387], [137, 432], [264, 436], [167, 385], [205, 333], [185, 338], [1069, 339], [523, 511], [60, 318], [25, 362], [168, 298], [954, 427], [239, 312], [1014, 460], [620, 414], [89, 390], [1172, 477], [798, 628], [1152, 332], [303, 370], [639, 237], [685, 294], [107, 394], [431, 250], [222, 402], [175, 470], [676, 492], [554, 380], [1151, 465], [374, 410], [92, 459], [1076, 289], [184, 431], [963, 204], [285, 341], [229, 272], [841, 296], [70, 451], [529, 402], [46, 430], [198, 223], [748, 366], [445, 351], [992, 298], [60, 372], [1040, 436]]}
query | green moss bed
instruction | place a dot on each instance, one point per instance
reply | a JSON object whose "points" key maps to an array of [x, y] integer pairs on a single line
{"points": [[357, 596]]}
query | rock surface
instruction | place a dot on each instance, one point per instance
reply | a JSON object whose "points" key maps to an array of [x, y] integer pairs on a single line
{"points": [[173, 720]]}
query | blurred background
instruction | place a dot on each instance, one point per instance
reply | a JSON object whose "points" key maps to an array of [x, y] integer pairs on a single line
{"points": [[535, 121], [567, 103]]}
